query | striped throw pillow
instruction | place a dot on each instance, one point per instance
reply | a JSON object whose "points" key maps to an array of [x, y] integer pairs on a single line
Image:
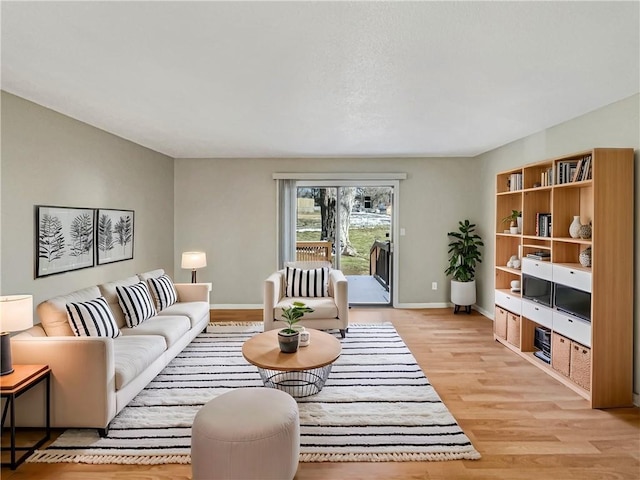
{"points": [[92, 319], [136, 303], [307, 283], [163, 291]]}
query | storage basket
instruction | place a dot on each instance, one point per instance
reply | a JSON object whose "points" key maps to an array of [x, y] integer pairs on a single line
{"points": [[500, 323], [560, 353], [580, 366], [513, 329]]}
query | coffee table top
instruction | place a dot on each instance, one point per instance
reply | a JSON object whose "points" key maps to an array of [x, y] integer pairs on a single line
{"points": [[263, 351]]}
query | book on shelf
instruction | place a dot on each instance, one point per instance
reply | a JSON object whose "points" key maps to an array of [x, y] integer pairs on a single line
{"points": [[544, 256], [543, 224], [566, 171], [515, 182]]}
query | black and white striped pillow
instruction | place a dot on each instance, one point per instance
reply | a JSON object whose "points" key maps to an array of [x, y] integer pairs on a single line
{"points": [[92, 319], [307, 283], [163, 291], [136, 303]]}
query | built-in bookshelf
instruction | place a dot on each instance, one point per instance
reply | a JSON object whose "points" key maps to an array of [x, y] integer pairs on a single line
{"points": [[593, 348]]}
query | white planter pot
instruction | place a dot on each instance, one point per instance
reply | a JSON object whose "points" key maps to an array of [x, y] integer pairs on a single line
{"points": [[463, 293]]}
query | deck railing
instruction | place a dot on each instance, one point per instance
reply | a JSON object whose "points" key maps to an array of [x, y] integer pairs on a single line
{"points": [[313, 251], [380, 262]]}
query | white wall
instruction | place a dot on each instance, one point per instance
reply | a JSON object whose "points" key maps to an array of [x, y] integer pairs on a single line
{"points": [[616, 125], [51, 159], [227, 207]]}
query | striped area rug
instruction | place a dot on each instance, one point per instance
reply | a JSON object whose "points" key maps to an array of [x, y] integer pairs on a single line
{"points": [[377, 405]]}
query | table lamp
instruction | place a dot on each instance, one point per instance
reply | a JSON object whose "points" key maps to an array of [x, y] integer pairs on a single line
{"points": [[16, 313], [193, 261]]}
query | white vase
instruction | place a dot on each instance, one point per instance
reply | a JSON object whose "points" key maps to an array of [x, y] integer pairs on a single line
{"points": [[574, 228], [519, 220]]}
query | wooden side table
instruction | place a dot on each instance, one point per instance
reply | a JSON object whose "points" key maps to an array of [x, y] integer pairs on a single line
{"points": [[23, 378]]}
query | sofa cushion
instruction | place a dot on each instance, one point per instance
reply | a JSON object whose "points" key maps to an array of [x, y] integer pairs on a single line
{"points": [[92, 318], [53, 312], [136, 303], [108, 291], [172, 328], [133, 354], [151, 274], [307, 283], [194, 310], [322, 307], [163, 291]]}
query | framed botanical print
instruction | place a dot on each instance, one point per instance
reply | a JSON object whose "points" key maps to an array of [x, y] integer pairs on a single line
{"points": [[114, 235], [64, 239]]}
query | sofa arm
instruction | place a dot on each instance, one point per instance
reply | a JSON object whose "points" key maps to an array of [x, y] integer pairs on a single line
{"points": [[340, 288], [272, 294], [192, 292], [82, 379]]}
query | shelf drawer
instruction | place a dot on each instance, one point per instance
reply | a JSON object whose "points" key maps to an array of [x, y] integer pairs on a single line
{"points": [[580, 365], [513, 329], [560, 353], [500, 322], [537, 268], [512, 303], [538, 313], [572, 327], [572, 278]]}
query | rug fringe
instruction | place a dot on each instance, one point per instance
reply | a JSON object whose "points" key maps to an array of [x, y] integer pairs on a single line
{"points": [[388, 457], [48, 457]]}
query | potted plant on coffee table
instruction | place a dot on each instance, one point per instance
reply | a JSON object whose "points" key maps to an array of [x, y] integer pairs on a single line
{"points": [[464, 253], [289, 337]]}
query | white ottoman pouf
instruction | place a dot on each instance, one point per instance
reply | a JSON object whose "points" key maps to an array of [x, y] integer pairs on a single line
{"points": [[245, 434]]}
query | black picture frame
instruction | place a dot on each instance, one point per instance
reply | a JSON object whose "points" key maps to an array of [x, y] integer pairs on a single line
{"points": [[64, 239], [115, 231]]}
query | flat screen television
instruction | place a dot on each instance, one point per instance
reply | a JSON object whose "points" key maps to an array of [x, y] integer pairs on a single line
{"points": [[537, 289], [573, 301]]}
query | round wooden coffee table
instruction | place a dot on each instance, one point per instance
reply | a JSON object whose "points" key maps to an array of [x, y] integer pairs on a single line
{"points": [[300, 374]]}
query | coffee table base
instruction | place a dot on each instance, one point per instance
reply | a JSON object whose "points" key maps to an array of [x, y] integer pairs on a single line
{"points": [[298, 384]]}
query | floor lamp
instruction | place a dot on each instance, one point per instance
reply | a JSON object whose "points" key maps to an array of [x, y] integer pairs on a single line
{"points": [[16, 313], [193, 261]]}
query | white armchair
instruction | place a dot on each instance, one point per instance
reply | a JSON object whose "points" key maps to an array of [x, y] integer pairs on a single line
{"points": [[330, 312]]}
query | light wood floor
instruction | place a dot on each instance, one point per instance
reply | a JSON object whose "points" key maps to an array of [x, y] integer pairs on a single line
{"points": [[525, 424]]}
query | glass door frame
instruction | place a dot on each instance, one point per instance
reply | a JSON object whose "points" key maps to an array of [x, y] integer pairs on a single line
{"points": [[289, 216]]}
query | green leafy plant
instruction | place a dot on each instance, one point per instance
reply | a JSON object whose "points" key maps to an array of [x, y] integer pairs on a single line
{"points": [[293, 314], [464, 252], [512, 217]]}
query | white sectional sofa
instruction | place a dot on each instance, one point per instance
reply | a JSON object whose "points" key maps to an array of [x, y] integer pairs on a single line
{"points": [[93, 378]]}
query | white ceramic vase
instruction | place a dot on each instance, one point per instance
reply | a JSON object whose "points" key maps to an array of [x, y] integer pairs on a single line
{"points": [[574, 228]]}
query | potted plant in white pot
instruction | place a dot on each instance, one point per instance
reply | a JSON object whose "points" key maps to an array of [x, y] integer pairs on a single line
{"points": [[515, 221], [289, 337], [464, 254]]}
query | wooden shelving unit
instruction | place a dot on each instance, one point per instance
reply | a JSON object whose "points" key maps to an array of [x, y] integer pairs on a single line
{"points": [[603, 195]]}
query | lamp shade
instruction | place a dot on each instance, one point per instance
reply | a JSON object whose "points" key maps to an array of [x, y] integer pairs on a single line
{"points": [[16, 313], [193, 260]]}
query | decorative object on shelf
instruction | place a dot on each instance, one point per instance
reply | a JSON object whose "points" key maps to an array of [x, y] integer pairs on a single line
{"points": [[289, 337], [585, 231], [193, 261], [16, 314], [585, 257], [514, 262], [574, 228], [464, 253], [512, 218], [114, 235], [515, 285], [64, 239]]}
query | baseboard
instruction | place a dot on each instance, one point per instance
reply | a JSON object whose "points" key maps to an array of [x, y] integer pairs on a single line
{"points": [[234, 306], [422, 305], [636, 399]]}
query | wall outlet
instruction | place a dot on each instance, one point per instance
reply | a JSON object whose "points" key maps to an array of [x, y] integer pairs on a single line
{"points": [[434, 285]]}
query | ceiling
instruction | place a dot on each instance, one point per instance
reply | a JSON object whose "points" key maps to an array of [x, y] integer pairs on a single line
{"points": [[321, 79]]}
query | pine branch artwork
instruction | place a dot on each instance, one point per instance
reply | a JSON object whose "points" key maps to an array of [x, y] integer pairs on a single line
{"points": [[81, 233], [105, 234], [50, 239], [124, 231]]}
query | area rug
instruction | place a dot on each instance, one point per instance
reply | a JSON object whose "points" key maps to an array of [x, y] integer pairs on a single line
{"points": [[376, 406]]}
